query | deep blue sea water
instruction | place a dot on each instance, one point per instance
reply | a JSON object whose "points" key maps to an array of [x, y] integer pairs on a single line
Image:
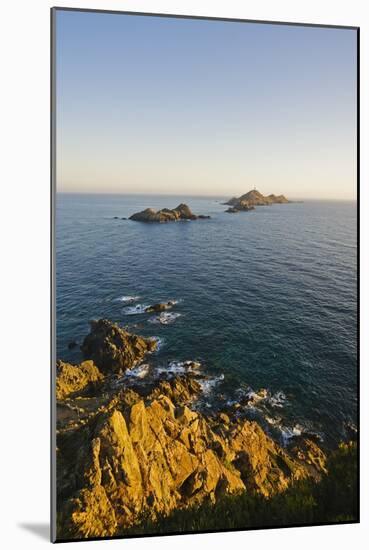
{"points": [[267, 298]]}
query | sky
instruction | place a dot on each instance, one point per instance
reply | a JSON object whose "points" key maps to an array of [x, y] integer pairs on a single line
{"points": [[194, 107]]}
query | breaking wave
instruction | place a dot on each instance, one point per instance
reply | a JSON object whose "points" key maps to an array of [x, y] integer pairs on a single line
{"points": [[209, 384], [165, 318], [159, 342], [126, 299], [179, 367], [141, 371], [135, 310], [264, 397]]}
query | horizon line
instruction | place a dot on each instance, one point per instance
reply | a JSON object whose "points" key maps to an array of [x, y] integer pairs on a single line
{"points": [[120, 193]]}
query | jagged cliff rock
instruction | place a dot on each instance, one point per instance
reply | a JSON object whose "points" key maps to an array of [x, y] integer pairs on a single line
{"points": [[181, 212], [75, 378], [254, 198], [134, 457], [113, 349]]}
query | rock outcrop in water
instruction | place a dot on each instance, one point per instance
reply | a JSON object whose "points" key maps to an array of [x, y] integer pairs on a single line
{"points": [[113, 349], [239, 208], [161, 306], [181, 212], [130, 452], [253, 198]]}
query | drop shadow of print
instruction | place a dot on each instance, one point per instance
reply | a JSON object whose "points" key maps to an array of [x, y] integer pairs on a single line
{"points": [[41, 530]]}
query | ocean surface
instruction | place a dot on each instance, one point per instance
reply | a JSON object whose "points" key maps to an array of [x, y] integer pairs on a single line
{"points": [[267, 299]]}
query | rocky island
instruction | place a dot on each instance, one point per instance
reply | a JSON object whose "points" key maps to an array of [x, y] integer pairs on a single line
{"points": [[242, 206], [181, 212], [161, 306], [253, 198], [132, 450]]}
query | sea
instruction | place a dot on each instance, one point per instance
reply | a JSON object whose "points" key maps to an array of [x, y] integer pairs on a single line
{"points": [[265, 299]]}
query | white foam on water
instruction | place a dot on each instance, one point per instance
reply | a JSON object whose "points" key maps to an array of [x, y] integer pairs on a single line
{"points": [[288, 433], [192, 365], [174, 367], [349, 425], [165, 318], [141, 371], [159, 343], [266, 404], [208, 384], [278, 399], [272, 421], [138, 309], [170, 302], [255, 397], [265, 397], [135, 310], [180, 367], [126, 299], [231, 402]]}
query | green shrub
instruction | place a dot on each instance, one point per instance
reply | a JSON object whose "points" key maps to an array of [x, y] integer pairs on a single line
{"points": [[332, 499]]}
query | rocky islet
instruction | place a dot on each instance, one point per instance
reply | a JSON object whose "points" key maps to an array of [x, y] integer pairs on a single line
{"points": [[181, 213], [251, 199], [244, 203]]}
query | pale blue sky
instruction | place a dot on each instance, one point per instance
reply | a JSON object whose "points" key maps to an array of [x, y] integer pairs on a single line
{"points": [[179, 106]]}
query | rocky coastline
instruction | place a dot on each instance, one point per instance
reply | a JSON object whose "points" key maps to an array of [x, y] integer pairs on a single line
{"points": [[131, 447]]}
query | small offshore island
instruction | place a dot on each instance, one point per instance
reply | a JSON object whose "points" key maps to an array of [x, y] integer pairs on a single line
{"points": [[137, 452], [181, 212], [244, 203], [253, 198]]}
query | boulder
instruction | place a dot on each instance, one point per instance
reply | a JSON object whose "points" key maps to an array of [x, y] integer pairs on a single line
{"points": [[162, 306], [183, 212], [113, 349], [75, 378]]}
